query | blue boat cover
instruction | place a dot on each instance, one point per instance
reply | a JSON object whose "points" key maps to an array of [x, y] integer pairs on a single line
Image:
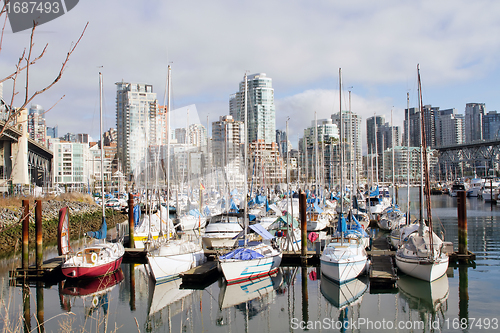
{"points": [[101, 233], [316, 207], [242, 254], [137, 215], [206, 211], [194, 212], [375, 193], [260, 199], [261, 231], [341, 224]]}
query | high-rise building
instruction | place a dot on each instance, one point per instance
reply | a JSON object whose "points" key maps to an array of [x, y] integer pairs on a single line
{"points": [[261, 111], [197, 135], [52, 132], [71, 164], [492, 125], [474, 114], [352, 136], [449, 128], [227, 143], [281, 140], [372, 128], [36, 124], [136, 111]]}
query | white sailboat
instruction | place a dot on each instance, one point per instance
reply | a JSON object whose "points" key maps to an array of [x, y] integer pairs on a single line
{"points": [[255, 260], [421, 253], [169, 258], [344, 258]]}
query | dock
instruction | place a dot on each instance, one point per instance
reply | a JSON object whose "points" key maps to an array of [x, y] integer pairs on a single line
{"points": [[200, 276], [50, 269], [382, 273]]}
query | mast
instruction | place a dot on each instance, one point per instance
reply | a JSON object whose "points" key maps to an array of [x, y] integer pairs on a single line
{"points": [[376, 148], [425, 165], [341, 150], [393, 171], [245, 187], [168, 150], [102, 146], [408, 159]]}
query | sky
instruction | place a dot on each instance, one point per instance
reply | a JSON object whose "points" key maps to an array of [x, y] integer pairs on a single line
{"points": [[301, 45]]}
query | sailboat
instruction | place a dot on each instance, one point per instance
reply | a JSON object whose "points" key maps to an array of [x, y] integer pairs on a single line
{"points": [[251, 260], [169, 258], [421, 254], [100, 258], [344, 258]]}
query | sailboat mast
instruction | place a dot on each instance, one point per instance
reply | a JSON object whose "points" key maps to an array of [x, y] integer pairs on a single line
{"points": [[426, 165], [408, 159], [168, 150], [341, 149], [102, 145], [245, 147], [393, 171]]}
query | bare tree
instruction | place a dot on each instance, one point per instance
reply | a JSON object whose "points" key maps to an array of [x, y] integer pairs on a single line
{"points": [[22, 68]]}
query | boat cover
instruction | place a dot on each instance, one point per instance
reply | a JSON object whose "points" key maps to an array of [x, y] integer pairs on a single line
{"points": [[261, 231], [242, 254], [101, 233]]}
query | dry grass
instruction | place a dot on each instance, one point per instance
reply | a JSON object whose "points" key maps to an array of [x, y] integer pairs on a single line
{"points": [[14, 203]]}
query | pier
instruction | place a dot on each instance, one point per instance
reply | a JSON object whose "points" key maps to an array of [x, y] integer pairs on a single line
{"points": [[382, 273]]}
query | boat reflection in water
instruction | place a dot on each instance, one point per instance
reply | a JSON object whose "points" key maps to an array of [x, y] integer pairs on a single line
{"points": [[251, 297], [342, 295], [96, 290], [423, 296]]}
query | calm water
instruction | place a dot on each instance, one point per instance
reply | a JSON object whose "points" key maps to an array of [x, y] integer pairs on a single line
{"points": [[130, 302]]}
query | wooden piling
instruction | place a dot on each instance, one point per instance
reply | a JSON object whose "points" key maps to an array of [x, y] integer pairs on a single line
{"points": [[303, 226], [39, 234], [462, 223], [26, 221], [40, 311], [131, 220]]}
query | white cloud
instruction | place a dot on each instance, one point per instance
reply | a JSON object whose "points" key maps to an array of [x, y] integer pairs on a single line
{"points": [[299, 44]]}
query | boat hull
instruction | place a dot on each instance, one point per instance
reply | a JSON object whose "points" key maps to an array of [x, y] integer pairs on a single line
{"points": [[88, 272], [168, 267], [240, 270], [343, 270], [423, 268]]}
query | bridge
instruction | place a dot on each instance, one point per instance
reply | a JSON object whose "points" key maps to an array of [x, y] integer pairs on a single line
{"points": [[464, 159]]}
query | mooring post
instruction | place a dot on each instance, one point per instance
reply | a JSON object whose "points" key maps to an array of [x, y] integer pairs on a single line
{"points": [[305, 296], [39, 235], [40, 311], [132, 288], [303, 226], [462, 223], [26, 221], [26, 306], [131, 220]]}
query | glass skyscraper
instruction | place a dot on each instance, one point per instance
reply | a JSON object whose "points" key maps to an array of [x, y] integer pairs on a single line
{"points": [[261, 111], [136, 109]]}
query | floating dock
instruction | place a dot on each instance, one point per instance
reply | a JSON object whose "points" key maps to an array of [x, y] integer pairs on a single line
{"points": [[382, 273], [50, 268]]}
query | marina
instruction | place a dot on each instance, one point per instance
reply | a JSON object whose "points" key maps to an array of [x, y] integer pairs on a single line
{"points": [[287, 300]]}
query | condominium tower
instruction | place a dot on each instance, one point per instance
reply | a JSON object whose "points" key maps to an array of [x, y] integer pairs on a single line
{"points": [[261, 112], [136, 110]]}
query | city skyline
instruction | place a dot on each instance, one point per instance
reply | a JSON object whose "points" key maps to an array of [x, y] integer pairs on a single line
{"points": [[301, 51]]}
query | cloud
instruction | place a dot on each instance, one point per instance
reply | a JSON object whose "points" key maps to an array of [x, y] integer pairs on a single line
{"points": [[300, 45]]}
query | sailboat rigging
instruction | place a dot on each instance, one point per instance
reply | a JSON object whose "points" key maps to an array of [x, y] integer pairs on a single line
{"points": [[100, 258]]}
